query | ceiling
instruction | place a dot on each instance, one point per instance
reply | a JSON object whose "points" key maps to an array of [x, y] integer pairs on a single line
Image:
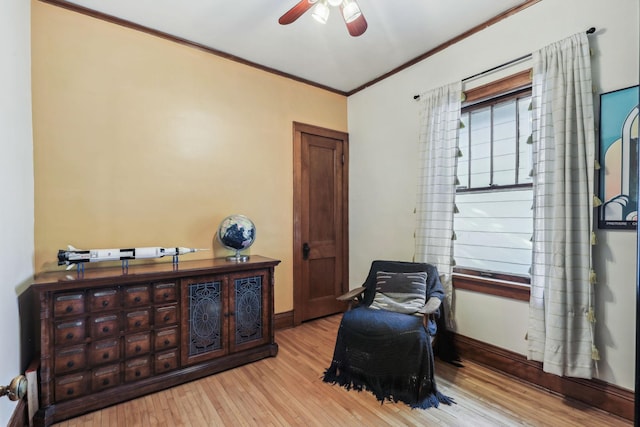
{"points": [[399, 32]]}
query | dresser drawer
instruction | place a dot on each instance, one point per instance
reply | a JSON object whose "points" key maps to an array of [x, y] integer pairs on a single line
{"points": [[71, 386], [166, 338], [136, 296], [137, 320], [137, 369], [164, 292], [70, 332], [166, 361], [165, 315], [70, 359], [105, 377], [103, 299], [68, 304], [136, 345], [105, 351], [104, 326]]}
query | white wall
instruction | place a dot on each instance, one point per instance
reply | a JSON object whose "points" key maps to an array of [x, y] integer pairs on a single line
{"points": [[16, 176], [383, 129]]}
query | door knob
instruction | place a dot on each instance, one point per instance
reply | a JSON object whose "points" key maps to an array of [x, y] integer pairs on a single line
{"points": [[305, 250]]}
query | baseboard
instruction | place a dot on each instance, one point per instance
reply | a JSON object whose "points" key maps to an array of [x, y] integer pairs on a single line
{"points": [[596, 393], [19, 417], [284, 320]]}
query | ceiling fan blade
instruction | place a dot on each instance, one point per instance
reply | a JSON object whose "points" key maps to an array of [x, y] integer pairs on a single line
{"points": [[296, 11], [356, 27]]}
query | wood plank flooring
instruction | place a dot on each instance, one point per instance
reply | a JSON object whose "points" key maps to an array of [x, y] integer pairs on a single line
{"points": [[287, 390]]}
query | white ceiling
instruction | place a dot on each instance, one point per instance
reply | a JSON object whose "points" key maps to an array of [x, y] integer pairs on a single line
{"points": [[398, 31]]}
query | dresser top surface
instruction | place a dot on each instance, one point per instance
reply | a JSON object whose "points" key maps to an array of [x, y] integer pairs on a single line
{"points": [[147, 271]]}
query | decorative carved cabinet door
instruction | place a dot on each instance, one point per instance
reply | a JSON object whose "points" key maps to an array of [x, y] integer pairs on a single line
{"points": [[206, 306], [250, 310], [225, 314]]}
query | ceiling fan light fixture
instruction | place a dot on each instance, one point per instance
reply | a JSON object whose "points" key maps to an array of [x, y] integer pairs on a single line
{"points": [[321, 12], [351, 11]]}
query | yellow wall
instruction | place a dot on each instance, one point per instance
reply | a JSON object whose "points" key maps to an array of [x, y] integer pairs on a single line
{"points": [[139, 141]]}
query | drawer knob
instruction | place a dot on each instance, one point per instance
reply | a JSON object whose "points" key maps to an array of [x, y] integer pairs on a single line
{"points": [[105, 329], [166, 295], [137, 324], [138, 349], [70, 391], [167, 342], [138, 373], [167, 365], [105, 356], [137, 299], [105, 303], [69, 336], [167, 318], [105, 381], [70, 364], [69, 309]]}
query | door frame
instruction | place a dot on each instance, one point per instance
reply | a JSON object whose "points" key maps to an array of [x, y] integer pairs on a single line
{"points": [[298, 130]]}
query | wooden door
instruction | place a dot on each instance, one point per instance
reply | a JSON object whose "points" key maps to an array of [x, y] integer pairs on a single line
{"points": [[320, 221]]}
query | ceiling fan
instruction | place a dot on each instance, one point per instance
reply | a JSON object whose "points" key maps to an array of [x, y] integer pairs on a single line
{"points": [[351, 13]]}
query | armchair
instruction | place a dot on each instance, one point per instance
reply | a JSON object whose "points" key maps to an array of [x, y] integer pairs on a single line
{"points": [[384, 339]]}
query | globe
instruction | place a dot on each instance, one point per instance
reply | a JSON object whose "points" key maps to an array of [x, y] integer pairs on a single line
{"points": [[237, 232]]}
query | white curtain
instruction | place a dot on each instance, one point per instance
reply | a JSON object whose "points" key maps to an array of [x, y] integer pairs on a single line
{"points": [[438, 149], [561, 307]]}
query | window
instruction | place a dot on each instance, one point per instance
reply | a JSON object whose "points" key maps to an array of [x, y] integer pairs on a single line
{"points": [[494, 145], [494, 195]]}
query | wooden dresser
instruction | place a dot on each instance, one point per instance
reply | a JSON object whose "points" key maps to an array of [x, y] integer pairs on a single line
{"points": [[111, 334]]}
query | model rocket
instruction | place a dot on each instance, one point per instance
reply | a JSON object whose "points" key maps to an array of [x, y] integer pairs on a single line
{"points": [[74, 256]]}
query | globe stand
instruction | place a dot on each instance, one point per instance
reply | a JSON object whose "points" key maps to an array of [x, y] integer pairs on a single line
{"points": [[237, 257]]}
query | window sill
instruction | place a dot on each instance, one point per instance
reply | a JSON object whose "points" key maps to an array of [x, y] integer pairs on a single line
{"points": [[501, 288]]}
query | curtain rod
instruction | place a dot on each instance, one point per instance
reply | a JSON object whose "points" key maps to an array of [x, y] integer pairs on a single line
{"points": [[497, 67]]}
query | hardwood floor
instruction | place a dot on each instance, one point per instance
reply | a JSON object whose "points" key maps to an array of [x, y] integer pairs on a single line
{"points": [[287, 390]]}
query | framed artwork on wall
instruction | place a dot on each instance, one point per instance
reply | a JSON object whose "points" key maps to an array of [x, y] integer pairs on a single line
{"points": [[619, 159]]}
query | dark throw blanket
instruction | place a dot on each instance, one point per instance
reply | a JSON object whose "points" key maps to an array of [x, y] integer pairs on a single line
{"points": [[371, 354]]}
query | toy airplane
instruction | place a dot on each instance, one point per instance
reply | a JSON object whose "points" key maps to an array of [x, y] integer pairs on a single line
{"points": [[73, 256]]}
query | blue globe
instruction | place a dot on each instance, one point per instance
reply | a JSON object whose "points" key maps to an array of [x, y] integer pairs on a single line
{"points": [[237, 232]]}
